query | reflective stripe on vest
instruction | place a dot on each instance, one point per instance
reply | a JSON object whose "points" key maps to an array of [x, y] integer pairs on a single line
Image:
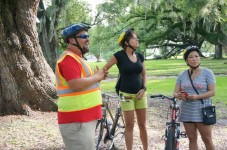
{"points": [[71, 100]]}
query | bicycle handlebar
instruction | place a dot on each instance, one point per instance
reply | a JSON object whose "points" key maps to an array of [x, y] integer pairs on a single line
{"points": [[115, 98], [124, 97], [163, 97], [104, 95]]}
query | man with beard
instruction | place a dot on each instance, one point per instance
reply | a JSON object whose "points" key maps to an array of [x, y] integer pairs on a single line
{"points": [[79, 103]]}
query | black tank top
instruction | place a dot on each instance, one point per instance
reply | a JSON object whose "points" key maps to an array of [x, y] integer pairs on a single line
{"points": [[131, 79]]}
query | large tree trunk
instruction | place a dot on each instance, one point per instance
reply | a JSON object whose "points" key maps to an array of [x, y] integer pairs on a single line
{"points": [[218, 46], [218, 52], [25, 76]]}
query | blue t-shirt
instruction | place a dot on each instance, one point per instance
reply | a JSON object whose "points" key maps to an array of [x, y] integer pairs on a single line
{"points": [[191, 111]]}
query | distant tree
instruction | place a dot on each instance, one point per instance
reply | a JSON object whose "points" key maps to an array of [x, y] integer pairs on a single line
{"points": [[171, 25], [48, 19], [73, 11], [25, 76], [175, 24]]}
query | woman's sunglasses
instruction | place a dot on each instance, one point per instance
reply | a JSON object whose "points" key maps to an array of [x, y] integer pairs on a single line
{"points": [[82, 36]]}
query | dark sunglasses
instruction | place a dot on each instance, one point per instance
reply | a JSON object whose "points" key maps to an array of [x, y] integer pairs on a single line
{"points": [[82, 36]]}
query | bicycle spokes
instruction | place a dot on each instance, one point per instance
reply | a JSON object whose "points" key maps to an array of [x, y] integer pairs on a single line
{"points": [[172, 132], [111, 127]]}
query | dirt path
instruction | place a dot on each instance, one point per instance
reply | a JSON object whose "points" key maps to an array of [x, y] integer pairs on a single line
{"points": [[39, 131], [156, 126]]}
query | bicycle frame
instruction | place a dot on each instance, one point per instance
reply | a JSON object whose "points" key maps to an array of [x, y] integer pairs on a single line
{"points": [[172, 132], [109, 131], [117, 117]]}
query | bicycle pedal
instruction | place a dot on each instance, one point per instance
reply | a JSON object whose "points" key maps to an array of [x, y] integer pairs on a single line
{"points": [[183, 134], [106, 138]]}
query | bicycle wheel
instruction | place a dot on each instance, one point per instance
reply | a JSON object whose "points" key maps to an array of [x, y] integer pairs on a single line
{"points": [[171, 140], [117, 132], [99, 133], [119, 136], [102, 131]]}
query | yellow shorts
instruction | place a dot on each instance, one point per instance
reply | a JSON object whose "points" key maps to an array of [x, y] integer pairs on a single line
{"points": [[134, 103]]}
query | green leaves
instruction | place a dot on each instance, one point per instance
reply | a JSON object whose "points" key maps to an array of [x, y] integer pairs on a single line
{"points": [[169, 24]]}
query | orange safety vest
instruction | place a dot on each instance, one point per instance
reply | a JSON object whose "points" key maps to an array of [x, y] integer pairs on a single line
{"points": [[77, 106]]}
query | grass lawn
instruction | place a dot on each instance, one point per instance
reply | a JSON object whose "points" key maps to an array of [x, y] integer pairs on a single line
{"points": [[166, 87], [170, 69]]}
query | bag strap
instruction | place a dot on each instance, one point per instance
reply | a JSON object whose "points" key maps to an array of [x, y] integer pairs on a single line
{"points": [[194, 86]]}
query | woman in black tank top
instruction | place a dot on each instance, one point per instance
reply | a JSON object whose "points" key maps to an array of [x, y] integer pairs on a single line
{"points": [[132, 82]]}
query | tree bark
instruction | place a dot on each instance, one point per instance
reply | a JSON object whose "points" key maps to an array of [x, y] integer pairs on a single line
{"points": [[218, 46], [25, 76], [218, 52]]}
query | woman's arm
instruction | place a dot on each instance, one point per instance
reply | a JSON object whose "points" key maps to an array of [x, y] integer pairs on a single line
{"points": [[210, 92], [110, 63], [141, 92], [144, 77], [178, 93]]}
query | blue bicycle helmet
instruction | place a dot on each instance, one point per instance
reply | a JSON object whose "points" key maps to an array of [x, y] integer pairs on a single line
{"points": [[72, 30]]}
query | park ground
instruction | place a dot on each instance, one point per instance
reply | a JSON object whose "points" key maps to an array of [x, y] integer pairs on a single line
{"points": [[39, 130]]}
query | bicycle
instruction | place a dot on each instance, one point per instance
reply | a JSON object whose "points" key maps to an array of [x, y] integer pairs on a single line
{"points": [[110, 130], [172, 131]]}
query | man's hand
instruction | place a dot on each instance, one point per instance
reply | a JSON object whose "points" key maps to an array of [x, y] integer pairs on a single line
{"points": [[100, 74]]}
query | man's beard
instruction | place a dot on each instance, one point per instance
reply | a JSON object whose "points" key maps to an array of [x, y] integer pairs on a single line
{"points": [[86, 49]]}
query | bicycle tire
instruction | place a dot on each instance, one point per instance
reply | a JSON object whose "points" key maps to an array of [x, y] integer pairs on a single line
{"points": [[102, 131], [171, 140], [99, 133], [117, 132], [108, 140]]}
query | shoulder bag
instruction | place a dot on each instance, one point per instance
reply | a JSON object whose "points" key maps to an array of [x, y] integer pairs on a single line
{"points": [[209, 112]]}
